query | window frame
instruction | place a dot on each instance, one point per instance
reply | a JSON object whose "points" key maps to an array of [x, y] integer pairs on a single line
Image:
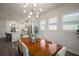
{"points": [[72, 22], [52, 24], [44, 25]]}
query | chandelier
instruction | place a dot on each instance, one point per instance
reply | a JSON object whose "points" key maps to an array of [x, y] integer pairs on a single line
{"points": [[32, 10]]}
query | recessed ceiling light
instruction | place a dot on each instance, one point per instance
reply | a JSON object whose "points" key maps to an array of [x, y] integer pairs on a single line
{"points": [[29, 16], [41, 9], [30, 13], [24, 11]]}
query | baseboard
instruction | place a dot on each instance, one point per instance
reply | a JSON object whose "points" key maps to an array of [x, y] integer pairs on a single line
{"points": [[73, 51]]}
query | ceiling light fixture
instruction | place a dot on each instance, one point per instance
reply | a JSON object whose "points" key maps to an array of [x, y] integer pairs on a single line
{"points": [[24, 11], [29, 16], [30, 13], [34, 4], [40, 9], [25, 4], [34, 12], [37, 16]]}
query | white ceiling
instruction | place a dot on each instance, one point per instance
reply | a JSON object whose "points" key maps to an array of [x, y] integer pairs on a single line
{"points": [[15, 10]]}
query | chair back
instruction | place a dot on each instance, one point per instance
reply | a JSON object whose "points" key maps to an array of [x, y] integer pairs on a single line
{"points": [[25, 36], [25, 50], [61, 52], [20, 50]]}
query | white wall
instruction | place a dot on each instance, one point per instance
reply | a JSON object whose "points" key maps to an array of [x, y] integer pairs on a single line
{"points": [[18, 25], [2, 27], [5, 26], [68, 39], [65, 38]]}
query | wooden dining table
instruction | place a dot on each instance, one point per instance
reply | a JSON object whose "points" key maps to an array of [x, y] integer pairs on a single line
{"points": [[41, 47]]}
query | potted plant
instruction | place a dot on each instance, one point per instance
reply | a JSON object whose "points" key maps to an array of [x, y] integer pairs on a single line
{"points": [[34, 34], [78, 29]]}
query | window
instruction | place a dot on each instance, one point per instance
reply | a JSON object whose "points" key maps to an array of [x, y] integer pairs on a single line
{"points": [[52, 24], [42, 25], [71, 21]]}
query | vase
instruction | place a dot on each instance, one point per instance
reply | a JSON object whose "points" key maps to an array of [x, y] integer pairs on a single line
{"points": [[33, 38]]}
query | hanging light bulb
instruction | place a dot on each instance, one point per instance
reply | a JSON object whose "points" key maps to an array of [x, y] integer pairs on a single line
{"points": [[30, 13], [34, 4], [10, 25], [24, 11], [29, 16], [37, 16], [25, 4], [40, 9]]}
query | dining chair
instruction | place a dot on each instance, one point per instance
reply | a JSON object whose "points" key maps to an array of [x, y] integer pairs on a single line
{"points": [[25, 36], [25, 50], [20, 50], [61, 52]]}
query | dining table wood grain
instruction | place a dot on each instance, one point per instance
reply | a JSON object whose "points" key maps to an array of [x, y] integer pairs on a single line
{"points": [[41, 47]]}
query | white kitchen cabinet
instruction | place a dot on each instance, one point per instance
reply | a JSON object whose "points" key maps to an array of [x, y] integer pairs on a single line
{"points": [[15, 36]]}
